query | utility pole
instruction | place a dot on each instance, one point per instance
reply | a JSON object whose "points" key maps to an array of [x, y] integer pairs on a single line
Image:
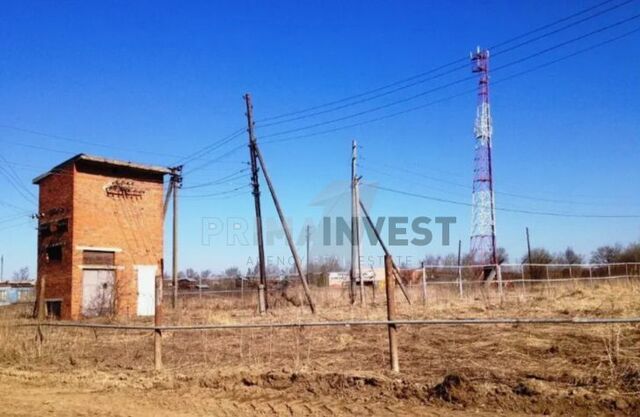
{"points": [[528, 246], [176, 182], [460, 267], [356, 275], [308, 235], [287, 232], [262, 299], [386, 252], [528, 251]]}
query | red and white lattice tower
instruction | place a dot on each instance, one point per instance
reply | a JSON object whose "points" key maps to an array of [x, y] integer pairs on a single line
{"points": [[483, 226]]}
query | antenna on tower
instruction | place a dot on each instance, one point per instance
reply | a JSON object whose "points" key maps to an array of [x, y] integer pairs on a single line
{"points": [[483, 229]]}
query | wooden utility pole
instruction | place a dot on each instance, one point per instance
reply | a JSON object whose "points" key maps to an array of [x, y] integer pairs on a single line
{"points": [[157, 319], [39, 306], [460, 267], [308, 234], [424, 284], [262, 299], [167, 198], [386, 251], [528, 251], [356, 273], [287, 232], [176, 181], [390, 285]]}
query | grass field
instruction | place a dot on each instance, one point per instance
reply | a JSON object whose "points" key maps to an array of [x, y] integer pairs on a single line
{"points": [[445, 370]]}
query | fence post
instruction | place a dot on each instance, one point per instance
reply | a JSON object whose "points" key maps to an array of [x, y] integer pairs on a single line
{"points": [[424, 285], [546, 267], [460, 281], [590, 273], [390, 285], [609, 269], [626, 272], [157, 320], [41, 306], [261, 298], [524, 288], [499, 276]]}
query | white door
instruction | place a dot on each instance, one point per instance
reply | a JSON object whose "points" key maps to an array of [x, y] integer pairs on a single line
{"points": [[97, 292], [146, 289]]}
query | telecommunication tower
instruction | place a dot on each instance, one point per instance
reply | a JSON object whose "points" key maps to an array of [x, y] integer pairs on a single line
{"points": [[483, 226]]}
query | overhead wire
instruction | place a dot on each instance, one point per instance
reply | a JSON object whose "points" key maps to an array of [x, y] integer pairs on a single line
{"points": [[452, 83], [443, 66], [223, 180], [216, 194], [498, 192], [504, 209], [460, 94]]}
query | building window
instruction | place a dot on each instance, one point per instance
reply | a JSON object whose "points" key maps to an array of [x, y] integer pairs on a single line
{"points": [[94, 257], [62, 226], [54, 308], [44, 230], [54, 253]]}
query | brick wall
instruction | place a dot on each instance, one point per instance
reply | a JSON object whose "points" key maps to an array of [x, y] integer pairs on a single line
{"points": [[55, 204], [133, 224]]}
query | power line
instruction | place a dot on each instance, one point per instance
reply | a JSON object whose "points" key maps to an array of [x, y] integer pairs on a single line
{"points": [[457, 68], [463, 93], [454, 62], [220, 193], [13, 206], [222, 180], [457, 184], [18, 186], [452, 83], [211, 147], [505, 209], [82, 141], [215, 160]]}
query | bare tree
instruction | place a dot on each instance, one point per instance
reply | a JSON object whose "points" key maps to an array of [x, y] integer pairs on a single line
{"points": [[606, 254], [21, 274], [232, 272], [569, 256]]}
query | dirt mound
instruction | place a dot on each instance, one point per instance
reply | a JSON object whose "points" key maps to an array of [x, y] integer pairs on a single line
{"points": [[453, 389]]}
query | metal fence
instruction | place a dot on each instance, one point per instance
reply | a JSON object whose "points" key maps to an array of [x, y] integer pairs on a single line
{"points": [[436, 282]]}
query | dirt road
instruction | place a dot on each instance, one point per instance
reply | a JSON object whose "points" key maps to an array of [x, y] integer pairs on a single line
{"points": [[97, 394]]}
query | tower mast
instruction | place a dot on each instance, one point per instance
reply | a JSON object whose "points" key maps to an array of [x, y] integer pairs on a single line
{"points": [[483, 226]]}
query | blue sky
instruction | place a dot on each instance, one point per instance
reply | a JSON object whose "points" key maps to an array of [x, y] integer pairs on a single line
{"points": [[156, 81]]}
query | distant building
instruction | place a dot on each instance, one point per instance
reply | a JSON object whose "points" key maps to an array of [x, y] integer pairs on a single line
{"points": [[100, 236], [12, 292], [369, 277]]}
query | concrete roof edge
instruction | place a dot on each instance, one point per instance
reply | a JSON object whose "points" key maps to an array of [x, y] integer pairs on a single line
{"points": [[106, 161]]}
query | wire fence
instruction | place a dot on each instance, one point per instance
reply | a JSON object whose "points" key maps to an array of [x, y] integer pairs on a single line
{"points": [[442, 284], [439, 282]]}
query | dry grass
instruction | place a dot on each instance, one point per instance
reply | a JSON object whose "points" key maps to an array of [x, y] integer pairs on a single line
{"points": [[530, 369]]}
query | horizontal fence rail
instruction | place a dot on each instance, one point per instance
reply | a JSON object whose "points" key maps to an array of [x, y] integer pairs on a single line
{"points": [[427, 322]]}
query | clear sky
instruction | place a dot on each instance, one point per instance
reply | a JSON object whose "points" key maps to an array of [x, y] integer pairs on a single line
{"points": [[156, 81]]}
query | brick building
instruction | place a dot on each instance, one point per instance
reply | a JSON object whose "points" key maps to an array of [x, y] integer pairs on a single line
{"points": [[100, 236]]}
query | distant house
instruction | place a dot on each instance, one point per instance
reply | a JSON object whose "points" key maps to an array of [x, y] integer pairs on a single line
{"points": [[187, 283], [12, 292], [369, 277], [100, 236]]}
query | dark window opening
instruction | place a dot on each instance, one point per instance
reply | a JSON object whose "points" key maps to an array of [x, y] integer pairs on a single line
{"points": [[54, 309], [44, 230], [62, 226], [94, 257], [54, 253]]}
